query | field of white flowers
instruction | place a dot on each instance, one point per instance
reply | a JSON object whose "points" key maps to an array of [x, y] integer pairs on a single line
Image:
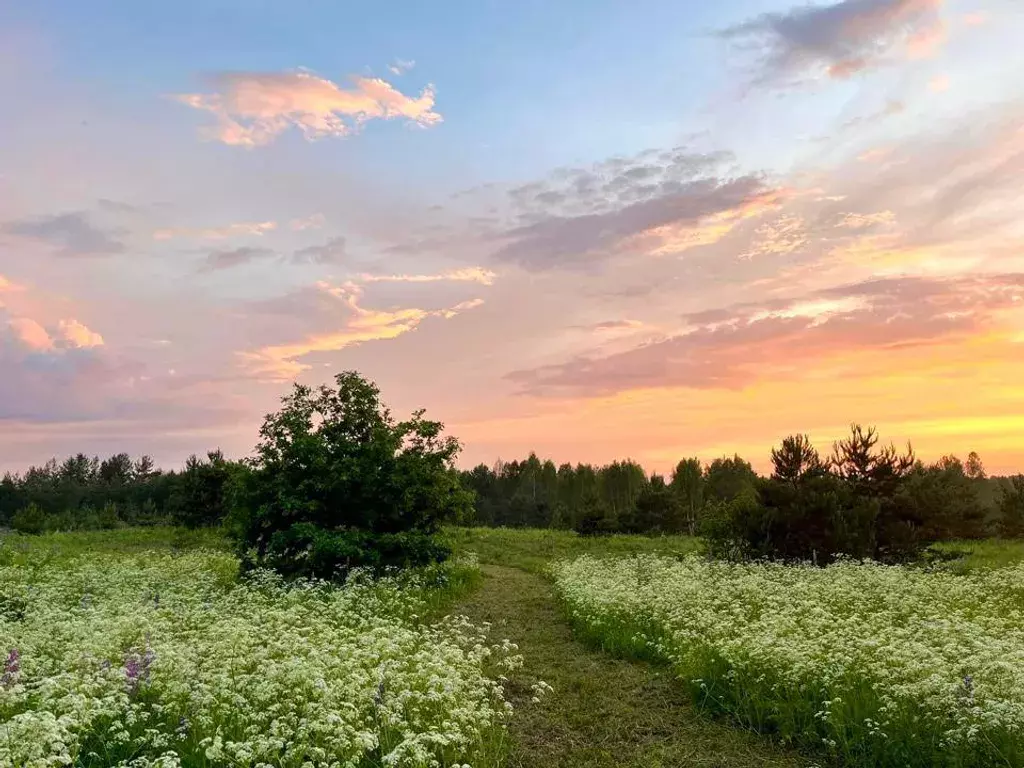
{"points": [[877, 665], [161, 659]]}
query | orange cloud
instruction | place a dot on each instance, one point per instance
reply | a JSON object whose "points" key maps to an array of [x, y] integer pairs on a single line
{"points": [[8, 285], [30, 333], [733, 347], [78, 335], [679, 237], [939, 84], [253, 108], [864, 220], [282, 361], [786, 234]]}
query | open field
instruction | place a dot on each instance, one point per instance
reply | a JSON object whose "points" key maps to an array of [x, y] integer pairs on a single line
{"points": [[120, 651], [875, 665], [648, 712], [142, 647]]}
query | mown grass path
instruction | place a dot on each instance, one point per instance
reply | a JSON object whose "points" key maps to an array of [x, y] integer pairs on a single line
{"points": [[604, 712]]}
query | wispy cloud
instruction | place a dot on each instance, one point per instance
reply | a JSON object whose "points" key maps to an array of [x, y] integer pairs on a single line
{"points": [[892, 107], [235, 257], [837, 40], [332, 252], [464, 275], [401, 66], [253, 108], [237, 229], [681, 216], [339, 304], [314, 221], [71, 234]]}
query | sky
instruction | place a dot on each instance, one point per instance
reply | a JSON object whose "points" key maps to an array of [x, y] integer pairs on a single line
{"points": [[590, 229]]}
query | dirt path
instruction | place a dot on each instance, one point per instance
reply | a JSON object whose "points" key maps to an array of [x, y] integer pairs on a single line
{"points": [[604, 711]]}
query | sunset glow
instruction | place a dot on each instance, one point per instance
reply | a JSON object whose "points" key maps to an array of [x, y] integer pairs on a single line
{"points": [[591, 230]]}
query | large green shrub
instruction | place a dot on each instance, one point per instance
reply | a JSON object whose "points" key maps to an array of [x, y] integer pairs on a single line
{"points": [[336, 483], [29, 519], [867, 501]]}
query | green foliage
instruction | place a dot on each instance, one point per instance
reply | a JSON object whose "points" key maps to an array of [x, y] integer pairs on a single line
{"points": [[201, 494], [83, 492], [688, 484], [867, 502], [534, 549], [594, 518], [307, 550], [728, 479], [337, 482], [657, 510], [30, 519], [1011, 509], [796, 460]]}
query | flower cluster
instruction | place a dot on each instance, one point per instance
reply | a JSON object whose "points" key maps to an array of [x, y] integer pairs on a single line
{"points": [[881, 665], [218, 672]]}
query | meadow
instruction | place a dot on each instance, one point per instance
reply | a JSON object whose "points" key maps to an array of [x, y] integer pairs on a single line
{"points": [[869, 664], [144, 648]]}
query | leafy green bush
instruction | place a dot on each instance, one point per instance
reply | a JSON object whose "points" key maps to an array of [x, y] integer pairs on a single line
{"points": [[866, 501], [337, 483], [308, 550], [29, 519]]}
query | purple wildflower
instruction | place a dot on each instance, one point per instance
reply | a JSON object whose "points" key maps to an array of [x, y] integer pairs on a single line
{"points": [[12, 666], [136, 667]]}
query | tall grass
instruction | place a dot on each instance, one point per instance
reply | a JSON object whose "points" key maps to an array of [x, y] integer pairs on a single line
{"points": [[874, 665]]}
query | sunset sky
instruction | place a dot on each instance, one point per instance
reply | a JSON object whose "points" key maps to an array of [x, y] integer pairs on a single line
{"points": [[592, 229]]}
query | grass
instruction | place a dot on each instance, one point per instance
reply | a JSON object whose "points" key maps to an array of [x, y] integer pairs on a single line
{"points": [[871, 665], [607, 711], [16, 548], [532, 549], [603, 711], [985, 554]]}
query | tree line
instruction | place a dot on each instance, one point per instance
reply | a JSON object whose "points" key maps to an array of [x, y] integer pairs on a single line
{"points": [[84, 492], [335, 475], [864, 499]]}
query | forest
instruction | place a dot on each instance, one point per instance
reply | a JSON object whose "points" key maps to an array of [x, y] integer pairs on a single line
{"points": [[881, 499]]}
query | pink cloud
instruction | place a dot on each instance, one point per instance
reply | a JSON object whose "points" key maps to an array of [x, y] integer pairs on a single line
{"points": [[737, 346], [253, 108], [839, 40]]}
